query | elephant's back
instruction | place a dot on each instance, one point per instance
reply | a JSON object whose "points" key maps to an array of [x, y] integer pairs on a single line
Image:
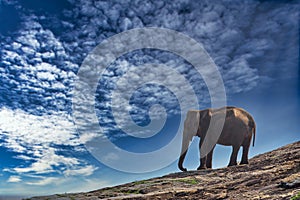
{"points": [[243, 115], [236, 112]]}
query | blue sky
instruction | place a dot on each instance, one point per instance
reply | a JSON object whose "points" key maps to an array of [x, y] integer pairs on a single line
{"points": [[255, 45]]}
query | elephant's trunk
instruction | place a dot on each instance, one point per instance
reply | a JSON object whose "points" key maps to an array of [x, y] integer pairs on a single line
{"points": [[184, 149], [191, 126], [180, 162]]}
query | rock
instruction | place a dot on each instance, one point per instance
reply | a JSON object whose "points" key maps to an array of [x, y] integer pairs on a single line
{"points": [[290, 185]]}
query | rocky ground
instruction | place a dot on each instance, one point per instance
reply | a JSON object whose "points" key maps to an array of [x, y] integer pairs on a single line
{"points": [[273, 175]]}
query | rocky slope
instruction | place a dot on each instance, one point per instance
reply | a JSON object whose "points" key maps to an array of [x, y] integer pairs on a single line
{"points": [[273, 175]]}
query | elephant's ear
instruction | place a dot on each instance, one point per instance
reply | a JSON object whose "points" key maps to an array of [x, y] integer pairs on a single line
{"points": [[205, 117], [191, 124], [205, 114]]}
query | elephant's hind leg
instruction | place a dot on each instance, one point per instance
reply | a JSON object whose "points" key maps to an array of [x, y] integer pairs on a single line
{"points": [[233, 157], [246, 146], [245, 154]]}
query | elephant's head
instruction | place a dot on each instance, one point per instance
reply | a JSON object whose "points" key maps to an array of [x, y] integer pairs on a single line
{"points": [[193, 119]]}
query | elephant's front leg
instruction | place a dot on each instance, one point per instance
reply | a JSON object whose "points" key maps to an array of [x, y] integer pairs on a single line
{"points": [[202, 160], [202, 163], [209, 158]]}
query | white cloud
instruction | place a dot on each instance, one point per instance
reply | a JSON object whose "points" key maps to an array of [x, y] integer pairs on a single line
{"points": [[84, 171], [14, 179], [23, 157], [111, 156], [89, 185], [47, 76], [28, 50], [46, 161], [35, 138], [37, 67], [45, 181], [43, 185], [30, 130]]}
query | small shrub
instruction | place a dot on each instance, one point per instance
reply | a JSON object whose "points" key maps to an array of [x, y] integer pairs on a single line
{"points": [[188, 181]]}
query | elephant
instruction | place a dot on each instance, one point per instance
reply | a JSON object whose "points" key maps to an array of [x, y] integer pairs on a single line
{"points": [[239, 126]]}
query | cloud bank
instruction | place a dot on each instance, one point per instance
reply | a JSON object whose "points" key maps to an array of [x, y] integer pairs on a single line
{"points": [[40, 140]]}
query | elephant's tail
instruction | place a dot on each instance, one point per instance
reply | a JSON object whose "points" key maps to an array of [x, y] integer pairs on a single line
{"points": [[253, 131], [252, 126]]}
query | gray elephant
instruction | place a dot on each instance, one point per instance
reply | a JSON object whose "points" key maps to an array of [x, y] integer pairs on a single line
{"points": [[239, 126]]}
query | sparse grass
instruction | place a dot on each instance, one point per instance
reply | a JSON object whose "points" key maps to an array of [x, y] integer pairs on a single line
{"points": [[61, 195], [132, 191], [297, 197], [72, 198], [190, 181], [65, 195], [139, 182]]}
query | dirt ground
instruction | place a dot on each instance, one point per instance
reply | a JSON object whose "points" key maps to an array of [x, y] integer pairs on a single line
{"points": [[273, 175]]}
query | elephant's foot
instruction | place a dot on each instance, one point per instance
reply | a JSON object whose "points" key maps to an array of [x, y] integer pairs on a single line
{"points": [[201, 167], [232, 164], [209, 167], [244, 162], [183, 169]]}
